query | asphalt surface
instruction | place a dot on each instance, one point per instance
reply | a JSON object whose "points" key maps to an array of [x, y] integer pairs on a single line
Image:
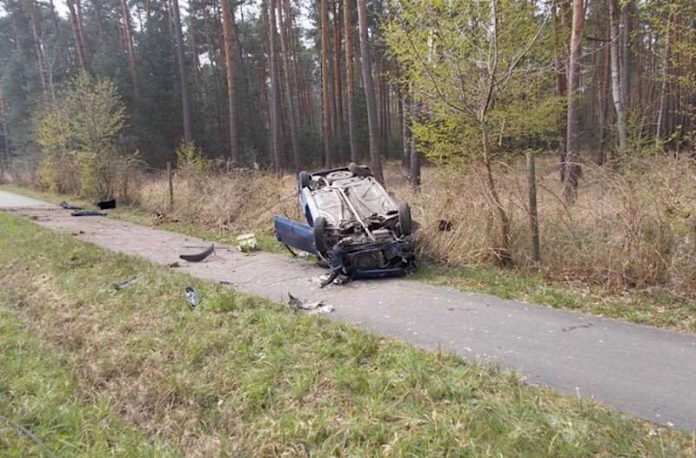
{"points": [[640, 370], [10, 200]]}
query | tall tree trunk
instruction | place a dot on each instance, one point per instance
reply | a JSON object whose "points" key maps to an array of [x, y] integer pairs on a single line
{"points": [[616, 91], [406, 117], [290, 99], [185, 101], [350, 74], [604, 107], [624, 52], [38, 45], [76, 23], [325, 82], [412, 149], [128, 35], [572, 169], [662, 104], [303, 112], [228, 30], [6, 141], [337, 89], [99, 16], [560, 71], [194, 44], [369, 86], [275, 103]]}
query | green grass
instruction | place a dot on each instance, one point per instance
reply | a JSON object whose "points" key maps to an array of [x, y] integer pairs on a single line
{"points": [[242, 376], [41, 413], [655, 308]]}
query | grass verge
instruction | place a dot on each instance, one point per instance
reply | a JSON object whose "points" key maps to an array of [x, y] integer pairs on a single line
{"points": [[654, 307], [41, 413], [242, 376]]}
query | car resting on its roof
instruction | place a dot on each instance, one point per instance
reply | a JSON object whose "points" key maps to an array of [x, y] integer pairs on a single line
{"points": [[353, 226]]}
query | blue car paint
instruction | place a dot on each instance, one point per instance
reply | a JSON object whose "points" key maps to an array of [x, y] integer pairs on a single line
{"points": [[294, 234]]}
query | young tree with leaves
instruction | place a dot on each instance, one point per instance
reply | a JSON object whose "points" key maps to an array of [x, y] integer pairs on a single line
{"points": [[481, 74]]}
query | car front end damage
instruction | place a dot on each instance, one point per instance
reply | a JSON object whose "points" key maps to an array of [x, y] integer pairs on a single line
{"points": [[372, 260], [352, 257]]}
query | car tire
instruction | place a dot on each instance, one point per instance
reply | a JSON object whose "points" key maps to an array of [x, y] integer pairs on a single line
{"points": [[304, 178], [320, 241], [359, 170], [405, 222]]}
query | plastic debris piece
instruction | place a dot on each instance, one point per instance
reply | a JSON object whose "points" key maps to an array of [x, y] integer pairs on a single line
{"points": [[68, 206], [313, 307], [87, 213], [126, 284], [106, 204], [198, 257], [326, 308], [192, 297], [293, 301], [247, 242]]}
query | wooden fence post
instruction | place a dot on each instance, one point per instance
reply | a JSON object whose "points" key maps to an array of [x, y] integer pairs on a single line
{"points": [[533, 214], [171, 187]]}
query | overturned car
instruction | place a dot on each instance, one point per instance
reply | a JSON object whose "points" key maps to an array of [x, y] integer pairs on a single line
{"points": [[353, 226]]}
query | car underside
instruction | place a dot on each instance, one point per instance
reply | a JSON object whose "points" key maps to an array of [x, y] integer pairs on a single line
{"points": [[353, 225]]}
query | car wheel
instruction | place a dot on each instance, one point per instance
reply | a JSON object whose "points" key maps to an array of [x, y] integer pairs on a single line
{"points": [[405, 223], [320, 236], [359, 170], [304, 178]]}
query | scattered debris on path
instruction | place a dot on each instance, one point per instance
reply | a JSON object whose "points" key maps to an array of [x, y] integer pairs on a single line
{"points": [[247, 242], [315, 307], [106, 204], [198, 257], [126, 284], [68, 206], [334, 277], [192, 297], [87, 213]]}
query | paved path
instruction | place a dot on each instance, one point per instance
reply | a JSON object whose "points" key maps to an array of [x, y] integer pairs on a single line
{"points": [[10, 200], [641, 370]]}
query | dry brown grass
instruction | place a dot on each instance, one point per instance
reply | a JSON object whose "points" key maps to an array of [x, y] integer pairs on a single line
{"points": [[633, 227], [236, 201], [629, 228]]}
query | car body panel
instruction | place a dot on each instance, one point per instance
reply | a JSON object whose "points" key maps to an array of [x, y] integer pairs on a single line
{"points": [[294, 234]]}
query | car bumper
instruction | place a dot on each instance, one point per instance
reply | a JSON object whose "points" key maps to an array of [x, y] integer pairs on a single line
{"points": [[374, 260]]}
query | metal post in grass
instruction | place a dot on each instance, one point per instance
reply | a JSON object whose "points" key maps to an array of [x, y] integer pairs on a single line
{"points": [[171, 187], [533, 214]]}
